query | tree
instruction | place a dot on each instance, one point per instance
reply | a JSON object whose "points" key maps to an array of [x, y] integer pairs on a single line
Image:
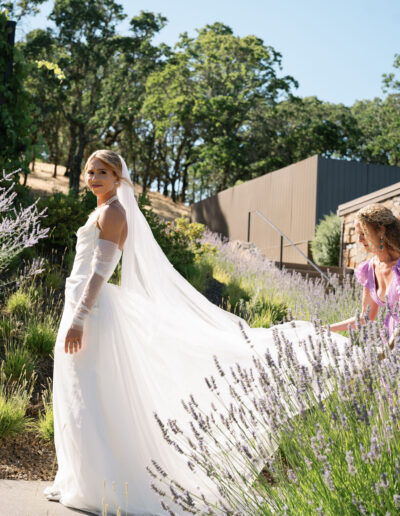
{"points": [[96, 65], [45, 84], [131, 130], [379, 122], [234, 77], [16, 124], [17, 9], [169, 104], [298, 128], [201, 102]]}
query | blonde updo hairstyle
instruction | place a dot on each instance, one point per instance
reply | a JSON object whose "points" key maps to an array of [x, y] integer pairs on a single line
{"points": [[377, 215], [111, 158]]}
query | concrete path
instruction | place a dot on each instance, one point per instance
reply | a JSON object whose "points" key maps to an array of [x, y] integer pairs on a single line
{"points": [[26, 498]]}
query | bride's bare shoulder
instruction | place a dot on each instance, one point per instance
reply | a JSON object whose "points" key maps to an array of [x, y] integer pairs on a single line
{"points": [[112, 217]]}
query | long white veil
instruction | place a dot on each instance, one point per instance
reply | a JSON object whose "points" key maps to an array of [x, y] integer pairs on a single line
{"points": [[147, 271]]}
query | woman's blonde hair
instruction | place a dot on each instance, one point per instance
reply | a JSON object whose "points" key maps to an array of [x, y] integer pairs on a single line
{"points": [[112, 159], [377, 215]]}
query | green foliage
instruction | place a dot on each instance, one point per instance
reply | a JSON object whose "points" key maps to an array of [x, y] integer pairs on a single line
{"points": [[19, 303], [45, 423], [17, 9], [325, 246], [16, 125], [339, 458], [298, 128], [55, 279], [14, 400], [202, 101], [234, 293], [263, 313], [199, 274], [18, 362], [40, 337], [7, 327], [65, 214], [179, 239]]}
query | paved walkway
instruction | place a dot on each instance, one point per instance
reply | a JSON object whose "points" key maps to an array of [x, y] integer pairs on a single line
{"points": [[26, 498]]}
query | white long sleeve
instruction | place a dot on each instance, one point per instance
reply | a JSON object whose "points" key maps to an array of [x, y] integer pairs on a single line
{"points": [[105, 258]]}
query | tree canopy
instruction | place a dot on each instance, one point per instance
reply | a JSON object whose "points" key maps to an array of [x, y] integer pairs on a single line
{"points": [[210, 112]]}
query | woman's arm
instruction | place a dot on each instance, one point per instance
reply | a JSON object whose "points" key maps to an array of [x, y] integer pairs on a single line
{"points": [[102, 267], [367, 304]]}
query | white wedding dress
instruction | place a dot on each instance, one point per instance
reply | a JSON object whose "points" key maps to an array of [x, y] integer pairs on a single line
{"points": [[136, 359]]}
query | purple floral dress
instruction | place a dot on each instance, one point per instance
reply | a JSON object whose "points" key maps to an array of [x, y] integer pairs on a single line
{"points": [[366, 276]]}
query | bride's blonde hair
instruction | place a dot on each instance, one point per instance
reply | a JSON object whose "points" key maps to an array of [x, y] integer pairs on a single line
{"points": [[111, 158], [377, 215]]}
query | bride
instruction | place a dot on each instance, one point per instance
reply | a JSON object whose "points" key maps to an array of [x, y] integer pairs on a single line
{"points": [[125, 353]]}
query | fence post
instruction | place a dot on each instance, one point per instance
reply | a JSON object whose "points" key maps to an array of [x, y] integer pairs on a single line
{"points": [[281, 254], [248, 226]]}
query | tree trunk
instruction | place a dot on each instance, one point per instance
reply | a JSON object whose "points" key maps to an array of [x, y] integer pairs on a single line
{"points": [[173, 192], [56, 150], [165, 189], [182, 195], [76, 164], [25, 178], [33, 162], [71, 151]]}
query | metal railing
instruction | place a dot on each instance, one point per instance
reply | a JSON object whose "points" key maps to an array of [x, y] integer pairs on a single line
{"points": [[281, 243]]}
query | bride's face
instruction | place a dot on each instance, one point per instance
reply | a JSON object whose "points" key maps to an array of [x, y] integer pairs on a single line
{"points": [[101, 177]]}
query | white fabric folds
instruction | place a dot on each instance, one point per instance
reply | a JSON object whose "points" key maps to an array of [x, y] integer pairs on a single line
{"points": [[105, 258]]}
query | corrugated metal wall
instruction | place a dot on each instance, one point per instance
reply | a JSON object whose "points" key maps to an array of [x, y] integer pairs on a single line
{"points": [[340, 181], [286, 196], [294, 198]]}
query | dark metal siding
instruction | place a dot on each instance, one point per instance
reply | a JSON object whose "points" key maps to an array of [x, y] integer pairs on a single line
{"points": [[340, 181], [294, 198]]}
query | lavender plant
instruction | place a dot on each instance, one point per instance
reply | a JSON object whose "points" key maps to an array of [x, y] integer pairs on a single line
{"points": [[306, 298], [20, 228], [282, 437]]}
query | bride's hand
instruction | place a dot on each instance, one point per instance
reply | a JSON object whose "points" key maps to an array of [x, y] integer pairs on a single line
{"points": [[73, 339]]}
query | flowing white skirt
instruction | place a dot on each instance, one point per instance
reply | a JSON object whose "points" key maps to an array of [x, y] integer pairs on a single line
{"points": [[137, 359]]}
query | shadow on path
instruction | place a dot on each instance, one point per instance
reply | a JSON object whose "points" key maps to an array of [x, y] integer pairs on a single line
{"points": [[26, 498]]}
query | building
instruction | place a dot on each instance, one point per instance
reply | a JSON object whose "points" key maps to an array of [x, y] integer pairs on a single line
{"points": [[293, 198], [352, 254]]}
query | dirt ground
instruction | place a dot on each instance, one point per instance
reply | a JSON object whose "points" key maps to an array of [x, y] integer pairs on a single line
{"points": [[42, 183]]}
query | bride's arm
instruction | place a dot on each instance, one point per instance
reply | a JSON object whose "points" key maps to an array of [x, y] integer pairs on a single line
{"points": [[367, 301], [102, 268]]}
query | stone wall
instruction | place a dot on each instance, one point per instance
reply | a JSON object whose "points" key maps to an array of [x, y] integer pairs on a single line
{"points": [[352, 252]]}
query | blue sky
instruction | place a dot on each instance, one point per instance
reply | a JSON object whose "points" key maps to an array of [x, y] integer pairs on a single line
{"points": [[337, 50]]}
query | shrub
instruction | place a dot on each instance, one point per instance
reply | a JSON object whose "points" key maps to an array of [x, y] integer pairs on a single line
{"points": [[18, 362], [263, 313], [234, 293], [55, 279], [7, 327], [40, 337], [325, 246], [65, 214], [14, 400], [199, 274], [179, 240], [328, 435], [20, 228], [19, 303], [45, 423]]}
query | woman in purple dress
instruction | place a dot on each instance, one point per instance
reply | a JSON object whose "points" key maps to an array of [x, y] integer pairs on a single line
{"points": [[379, 232]]}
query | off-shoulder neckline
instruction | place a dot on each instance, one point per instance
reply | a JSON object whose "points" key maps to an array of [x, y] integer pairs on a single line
{"points": [[374, 282]]}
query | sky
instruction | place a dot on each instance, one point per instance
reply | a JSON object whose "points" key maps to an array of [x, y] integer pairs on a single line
{"points": [[336, 50]]}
